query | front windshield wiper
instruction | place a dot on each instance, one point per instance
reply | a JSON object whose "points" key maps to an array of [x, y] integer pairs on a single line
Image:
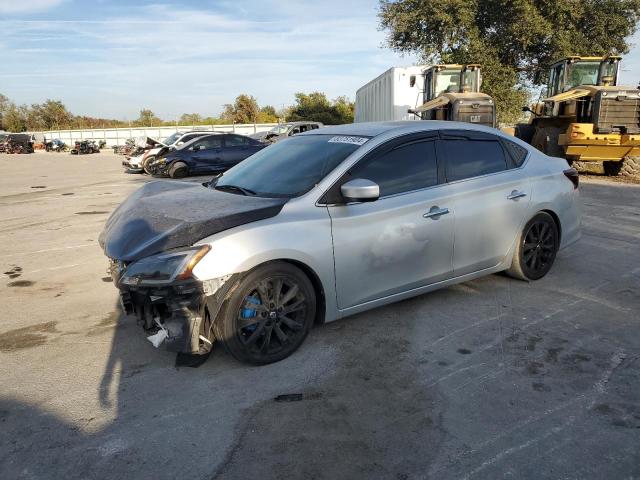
{"points": [[235, 188]]}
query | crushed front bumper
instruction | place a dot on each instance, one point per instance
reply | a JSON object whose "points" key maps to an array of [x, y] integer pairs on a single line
{"points": [[179, 308]]}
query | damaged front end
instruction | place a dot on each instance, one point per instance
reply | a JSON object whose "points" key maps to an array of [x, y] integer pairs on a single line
{"points": [[167, 301]]}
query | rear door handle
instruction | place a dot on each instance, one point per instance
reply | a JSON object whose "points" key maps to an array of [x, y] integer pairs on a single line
{"points": [[515, 194], [435, 212]]}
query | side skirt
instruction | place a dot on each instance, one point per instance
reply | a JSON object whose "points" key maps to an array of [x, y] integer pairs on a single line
{"points": [[418, 291]]}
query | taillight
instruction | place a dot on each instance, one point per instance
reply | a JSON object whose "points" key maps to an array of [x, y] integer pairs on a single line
{"points": [[572, 174]]}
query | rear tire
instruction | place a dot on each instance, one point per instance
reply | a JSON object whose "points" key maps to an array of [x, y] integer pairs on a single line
{"points": [[178, 170], [267, 314], [536, 248]]}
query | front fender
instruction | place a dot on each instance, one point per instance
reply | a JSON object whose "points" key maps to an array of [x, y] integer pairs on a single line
{"points": [[284, 237]]}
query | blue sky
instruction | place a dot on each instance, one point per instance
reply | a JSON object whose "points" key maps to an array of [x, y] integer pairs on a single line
{"points": [[112, 58]]}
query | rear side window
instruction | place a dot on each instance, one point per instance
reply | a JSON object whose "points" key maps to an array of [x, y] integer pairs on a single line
{"points": [[406, 168], [517, 153], [207, 143], [236, 141], [472, 158]]}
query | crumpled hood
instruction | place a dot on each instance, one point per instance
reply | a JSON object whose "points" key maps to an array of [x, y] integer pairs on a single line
{"points": [[163, 215]]}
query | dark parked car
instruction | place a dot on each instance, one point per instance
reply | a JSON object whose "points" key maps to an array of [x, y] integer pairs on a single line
{"points": [[208, 154], [18, 143]]}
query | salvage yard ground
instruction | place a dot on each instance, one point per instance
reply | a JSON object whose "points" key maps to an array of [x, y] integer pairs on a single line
{"points": [[494, 378]]}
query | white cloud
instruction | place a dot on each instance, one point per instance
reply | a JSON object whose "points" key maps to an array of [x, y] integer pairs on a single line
{"points": [[28, 6], [176, 59]]}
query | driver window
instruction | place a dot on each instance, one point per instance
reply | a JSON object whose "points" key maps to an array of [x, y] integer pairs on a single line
{"points": [[294, 131], [408, 167]]}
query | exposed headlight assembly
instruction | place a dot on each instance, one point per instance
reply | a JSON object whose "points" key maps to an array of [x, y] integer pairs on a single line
{"points": [[164, 267]]}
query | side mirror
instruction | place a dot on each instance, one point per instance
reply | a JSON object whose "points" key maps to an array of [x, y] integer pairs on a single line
{"points": [[179, 143], [528, 109], [360, 190]]}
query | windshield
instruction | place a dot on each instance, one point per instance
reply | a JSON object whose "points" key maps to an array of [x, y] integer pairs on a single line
{"points": [[290, 167], [447, 81], [172, 138], [582, 73], [280, 129]]}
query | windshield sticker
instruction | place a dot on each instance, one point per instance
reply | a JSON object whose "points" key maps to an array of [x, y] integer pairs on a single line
{"points": [[352, 140]]}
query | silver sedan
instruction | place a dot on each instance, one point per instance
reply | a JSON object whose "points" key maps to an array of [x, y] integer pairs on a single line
{"points": [[334, 222]]}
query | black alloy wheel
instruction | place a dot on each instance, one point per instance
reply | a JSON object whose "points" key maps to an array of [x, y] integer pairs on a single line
{"points": [[268, 315], [537, 248]]}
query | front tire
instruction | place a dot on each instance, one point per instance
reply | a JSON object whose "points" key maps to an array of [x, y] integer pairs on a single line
{"points": [[536, 248], [546, 139], [267, 314], [178, 170], [627, 167], [146, 163]]}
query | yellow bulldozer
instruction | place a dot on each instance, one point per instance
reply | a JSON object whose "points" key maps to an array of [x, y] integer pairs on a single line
{"points": [[587, 117], [452, 92]]}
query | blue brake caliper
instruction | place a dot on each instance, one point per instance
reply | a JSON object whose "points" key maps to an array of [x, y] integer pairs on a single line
{"points": [[248, 312]]}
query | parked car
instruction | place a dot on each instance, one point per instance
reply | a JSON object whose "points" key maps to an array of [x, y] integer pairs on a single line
{"points": [[83, 147], [3, 141], [208, 154], [154, 148], [331, 223], [285, 130], [18, 143], [55, 145]]}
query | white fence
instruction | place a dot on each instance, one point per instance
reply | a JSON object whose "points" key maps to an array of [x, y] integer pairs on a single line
{"points": [[118, 136]]}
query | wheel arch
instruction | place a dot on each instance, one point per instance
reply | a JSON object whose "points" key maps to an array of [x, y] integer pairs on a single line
{"points": [[556, 219], [314, 278]]}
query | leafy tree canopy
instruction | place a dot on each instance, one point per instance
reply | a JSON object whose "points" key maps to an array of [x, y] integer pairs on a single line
{"points": [[516, 41], [316, 107]]}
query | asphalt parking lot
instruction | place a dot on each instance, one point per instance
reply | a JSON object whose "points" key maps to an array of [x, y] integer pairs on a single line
{"points": [[494, 378]]}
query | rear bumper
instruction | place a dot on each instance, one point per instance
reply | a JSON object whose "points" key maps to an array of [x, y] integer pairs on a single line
{"points": [[581, 143]]}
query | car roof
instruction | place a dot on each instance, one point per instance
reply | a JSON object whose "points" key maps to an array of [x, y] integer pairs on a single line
{"points": [[302, 122], [373, 129]]}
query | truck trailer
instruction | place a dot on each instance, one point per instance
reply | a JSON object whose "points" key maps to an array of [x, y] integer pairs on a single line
{"points": [[391, 95]]}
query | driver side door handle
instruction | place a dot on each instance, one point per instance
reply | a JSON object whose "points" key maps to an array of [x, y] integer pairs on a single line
{"points": [[515, 194], [435, 212]]}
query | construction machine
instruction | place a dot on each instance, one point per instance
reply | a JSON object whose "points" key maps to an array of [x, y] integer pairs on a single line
{"points": [[587, 117], [452, 92]]}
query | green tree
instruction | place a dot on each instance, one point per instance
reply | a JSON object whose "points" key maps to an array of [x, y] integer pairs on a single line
{"points": [[4, 105], [147, 119], [190, 119], [516, 41], [316, 107], [54, 114], [244, 110], [267, 114], [14, 119]]}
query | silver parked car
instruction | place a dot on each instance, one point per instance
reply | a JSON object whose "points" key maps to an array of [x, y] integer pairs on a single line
{"points": [[334, 222]]}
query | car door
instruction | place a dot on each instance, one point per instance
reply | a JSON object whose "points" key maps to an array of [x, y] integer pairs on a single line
{"points": [[403, 240], [490, 197], [236, 149], [207, 154]]}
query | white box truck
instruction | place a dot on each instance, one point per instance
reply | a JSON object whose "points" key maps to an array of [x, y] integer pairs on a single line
{"points": [[391, 95]]}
